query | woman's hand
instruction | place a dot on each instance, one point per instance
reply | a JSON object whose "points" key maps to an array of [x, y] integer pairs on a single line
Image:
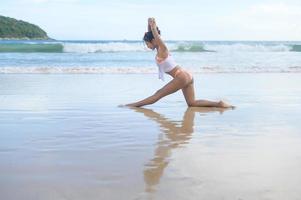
{"points": [[152, 23]]}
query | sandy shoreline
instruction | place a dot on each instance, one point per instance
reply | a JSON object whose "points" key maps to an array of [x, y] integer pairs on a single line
{"points": [[63, 137]]}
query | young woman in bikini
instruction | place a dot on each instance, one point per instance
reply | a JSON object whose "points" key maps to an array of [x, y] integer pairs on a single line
{"points": [[181, 78]]}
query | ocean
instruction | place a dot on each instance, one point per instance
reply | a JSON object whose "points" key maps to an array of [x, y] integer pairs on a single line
{"points": [[66, 56], [63, 135]]}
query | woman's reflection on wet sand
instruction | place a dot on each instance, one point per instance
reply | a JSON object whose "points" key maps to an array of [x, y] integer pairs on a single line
{"points": [[173, 135]]}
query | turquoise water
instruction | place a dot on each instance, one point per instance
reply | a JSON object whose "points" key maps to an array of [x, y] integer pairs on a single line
{"points": [[134, 57]]}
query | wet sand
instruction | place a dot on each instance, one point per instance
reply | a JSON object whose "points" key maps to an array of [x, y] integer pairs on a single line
{"points": [[64, 137]]}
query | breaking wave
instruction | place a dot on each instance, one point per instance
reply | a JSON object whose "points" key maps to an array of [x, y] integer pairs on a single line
{"points": [[112, 46]]}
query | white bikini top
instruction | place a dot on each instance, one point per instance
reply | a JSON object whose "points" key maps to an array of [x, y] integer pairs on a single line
{"points": [[165, 65]]}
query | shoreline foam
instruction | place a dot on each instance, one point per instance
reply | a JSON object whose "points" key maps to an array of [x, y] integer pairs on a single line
{"points": [[139, 70]]}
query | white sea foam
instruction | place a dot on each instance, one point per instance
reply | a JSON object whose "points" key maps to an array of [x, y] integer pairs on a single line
{"points": [[141, 70], [179, 46], [239, 47], [102, 47], [136, 46]]}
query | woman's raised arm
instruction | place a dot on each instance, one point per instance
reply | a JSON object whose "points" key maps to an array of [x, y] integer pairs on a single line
{"points": [[153, 26]]}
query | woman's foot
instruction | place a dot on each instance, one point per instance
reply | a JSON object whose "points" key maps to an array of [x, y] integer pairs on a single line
{"points": [[223, 104]]}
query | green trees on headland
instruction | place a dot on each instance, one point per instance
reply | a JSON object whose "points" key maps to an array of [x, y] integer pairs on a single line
{"points": [[17, 29]]}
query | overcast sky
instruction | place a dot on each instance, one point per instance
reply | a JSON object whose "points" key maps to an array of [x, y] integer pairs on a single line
{"points": [[178, 20]]}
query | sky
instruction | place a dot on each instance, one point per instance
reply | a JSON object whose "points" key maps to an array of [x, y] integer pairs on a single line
{"points": [[178, 20]]}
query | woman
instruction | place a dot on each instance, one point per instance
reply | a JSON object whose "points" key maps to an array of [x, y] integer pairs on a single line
{"points": [[181, 78]]}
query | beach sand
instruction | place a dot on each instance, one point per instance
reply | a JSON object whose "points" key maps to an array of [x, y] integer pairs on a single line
{"points": [[63, 136]]}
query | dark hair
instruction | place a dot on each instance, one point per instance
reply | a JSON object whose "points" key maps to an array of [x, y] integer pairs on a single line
{"points": [[148, 36]]}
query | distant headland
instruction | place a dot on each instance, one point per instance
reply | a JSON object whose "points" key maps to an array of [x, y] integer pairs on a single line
{"points": [[14, 29]]}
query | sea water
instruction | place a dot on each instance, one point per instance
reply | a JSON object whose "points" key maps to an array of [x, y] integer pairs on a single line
{"points": [[28, 56], [63, 136]]}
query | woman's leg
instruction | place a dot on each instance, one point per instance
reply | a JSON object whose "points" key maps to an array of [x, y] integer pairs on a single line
{"points": [[171, 87], [188, 92]]}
